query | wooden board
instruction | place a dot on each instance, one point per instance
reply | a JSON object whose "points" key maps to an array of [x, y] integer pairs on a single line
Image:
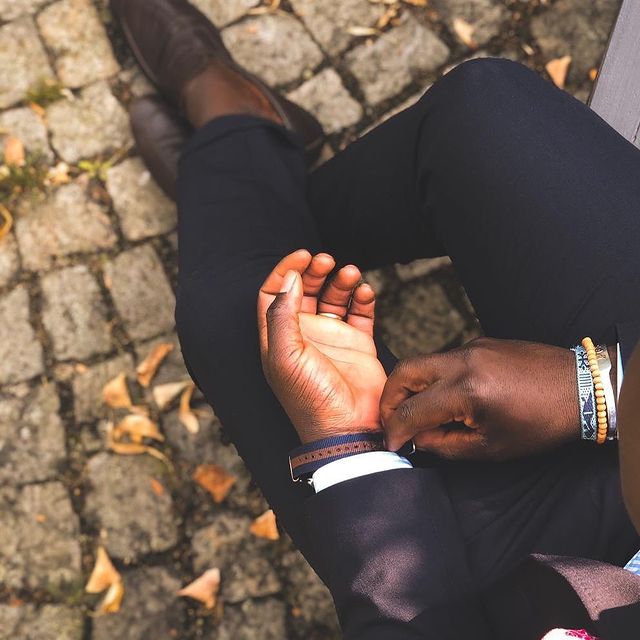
{"points": [[616, 95]]}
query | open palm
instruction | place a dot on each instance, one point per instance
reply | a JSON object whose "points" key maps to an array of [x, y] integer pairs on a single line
{"points": [[324, 370]]}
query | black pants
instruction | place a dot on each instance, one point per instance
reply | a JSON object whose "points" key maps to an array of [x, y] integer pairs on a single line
{"points": [[532, 195]]}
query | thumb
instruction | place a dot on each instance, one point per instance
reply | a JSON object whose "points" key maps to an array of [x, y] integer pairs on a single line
{"points": [[283, 326]]}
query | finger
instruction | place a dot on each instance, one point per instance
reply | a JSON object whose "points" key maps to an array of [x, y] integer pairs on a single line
{"points": [[335, 298], [296, 261], [414, 375], [438, 405], [313, 279], [453, 443], [284, 340], [362, 310]]}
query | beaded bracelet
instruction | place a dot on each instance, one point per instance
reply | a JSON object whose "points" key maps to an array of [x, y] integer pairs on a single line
{"points": [[601, 403], [585, 395]]}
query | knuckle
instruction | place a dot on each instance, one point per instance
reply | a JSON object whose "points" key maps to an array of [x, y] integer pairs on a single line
{"points": [[405, 413]]}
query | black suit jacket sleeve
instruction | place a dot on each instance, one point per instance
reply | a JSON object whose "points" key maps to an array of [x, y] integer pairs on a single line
{"points": [[389, 549]]}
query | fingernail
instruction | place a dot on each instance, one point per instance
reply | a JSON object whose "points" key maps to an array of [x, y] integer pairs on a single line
{"points": [[287, 283]]}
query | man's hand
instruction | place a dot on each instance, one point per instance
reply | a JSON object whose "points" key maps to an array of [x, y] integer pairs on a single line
{"points": [[509, 399], [324, 371]]}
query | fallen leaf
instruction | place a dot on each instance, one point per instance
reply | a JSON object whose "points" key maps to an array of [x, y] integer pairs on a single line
{"points": [[37, 109], [558, 69], [157, 487], [416, 3], [6, 221], [40, 518], [104, 574], [137, 427], [185, 415], [14, 152], [215, 479], [81, 368], [528, 49], [140, 409], [593, 74], [133, 448], [265, 526], [148, 367], [59, 174], [464, 31], [272, 7], [363, 31], [204, 589], [165, 394], [115, 393], [112, 599], [389, 14]]}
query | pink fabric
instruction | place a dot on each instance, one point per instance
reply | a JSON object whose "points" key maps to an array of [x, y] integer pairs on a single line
{"points": [[559, 634]]}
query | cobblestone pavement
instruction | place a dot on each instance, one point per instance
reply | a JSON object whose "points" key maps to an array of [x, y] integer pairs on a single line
{"points": [[87, 278]]}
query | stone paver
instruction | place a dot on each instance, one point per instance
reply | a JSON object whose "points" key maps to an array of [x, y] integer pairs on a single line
{"points": [[23, 123], [63, 223], [93, 123], [325, 96], [20, 352], [485, 17], [121, 500], [23, 61], [397, 58], [276, 47], [74, 314], [32, 443], [581, 30], [39, 546], [9, 259], [141, 292], [73, 31], [150, 608], [11, 9], [49, 622], [252, 620], [88, 385], [222, 12], [143, 209], [330, 20], [227, 544], [428, 322]]}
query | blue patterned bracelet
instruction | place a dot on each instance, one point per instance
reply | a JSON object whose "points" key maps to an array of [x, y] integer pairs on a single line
{"points": [[585, 395]]}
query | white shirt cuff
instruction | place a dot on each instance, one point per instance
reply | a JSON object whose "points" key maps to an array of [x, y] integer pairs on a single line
{"points": [[355, 466]]}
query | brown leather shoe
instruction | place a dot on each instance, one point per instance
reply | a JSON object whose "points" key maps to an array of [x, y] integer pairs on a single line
{"points": [[173, 43], [160, 133]]}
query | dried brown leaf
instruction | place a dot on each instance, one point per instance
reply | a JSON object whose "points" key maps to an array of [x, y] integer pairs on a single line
{"points": [[38, 110], [157, 487], [389, 14], [272, 7], [6, 221], [103, 575], [265, 526], [204, 589], [214, 479], [186, 416], [149, 366], [416, 3], [137, 427], [165, 394], [14, 155], [363, 31], [59, 174], [112, 599], [116, 393], [464, 31], [593, 74], [133, 448], [558, 70]]}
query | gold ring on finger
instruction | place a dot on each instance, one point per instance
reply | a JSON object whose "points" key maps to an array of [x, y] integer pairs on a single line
{"points": [[335, 316]]}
